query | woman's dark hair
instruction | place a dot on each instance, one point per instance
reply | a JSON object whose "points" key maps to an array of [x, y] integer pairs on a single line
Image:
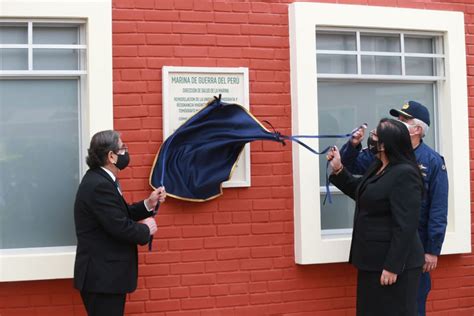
{"points": [[395, 138], [101, 144]]}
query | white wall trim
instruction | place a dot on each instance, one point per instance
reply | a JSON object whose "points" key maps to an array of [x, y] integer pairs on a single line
{"points": [[28, 264], [310, 246]]}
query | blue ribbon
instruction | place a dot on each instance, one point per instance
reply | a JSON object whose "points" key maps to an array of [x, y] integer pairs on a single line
{"points": [[155, 211], [296, 138]]}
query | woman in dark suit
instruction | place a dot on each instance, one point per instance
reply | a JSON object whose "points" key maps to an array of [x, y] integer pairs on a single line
{"points": [[385, 247]]}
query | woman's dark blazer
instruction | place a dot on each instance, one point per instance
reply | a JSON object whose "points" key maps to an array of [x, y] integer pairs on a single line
{"points": [[386, 217], [107, 236]]}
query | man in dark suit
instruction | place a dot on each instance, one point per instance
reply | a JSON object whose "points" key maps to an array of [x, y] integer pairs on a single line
{"points": [[108, 229]]}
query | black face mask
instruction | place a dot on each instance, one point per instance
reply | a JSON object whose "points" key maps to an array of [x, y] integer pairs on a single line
{"points": [[122, 161], [372, 145]]}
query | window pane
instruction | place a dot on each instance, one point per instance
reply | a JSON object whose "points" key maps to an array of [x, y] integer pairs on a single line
{"points": [[342, 106], [339, 214], [55, 59], [336, 64], [417, 66], [335, 41], [381, 65], [13, 33], [419, 45], [39, 162], [55, 34], [380, 43], [13, 59]]}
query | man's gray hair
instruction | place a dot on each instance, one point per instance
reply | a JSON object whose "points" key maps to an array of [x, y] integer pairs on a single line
{"points": [[101, 144], [423, 126]]}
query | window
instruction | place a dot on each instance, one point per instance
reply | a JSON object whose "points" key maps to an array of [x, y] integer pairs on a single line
{"points": [[350, 65], [53, 99], [39, 133], [379, 78]]}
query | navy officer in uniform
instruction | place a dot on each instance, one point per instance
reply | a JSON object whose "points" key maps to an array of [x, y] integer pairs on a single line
{"points": [[434, 208]]}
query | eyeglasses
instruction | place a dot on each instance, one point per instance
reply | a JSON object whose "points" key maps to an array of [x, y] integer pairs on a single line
{"points": [[122, 150]]}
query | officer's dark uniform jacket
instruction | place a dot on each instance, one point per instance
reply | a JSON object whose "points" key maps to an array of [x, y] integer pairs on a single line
{"points": [[434, 208]]}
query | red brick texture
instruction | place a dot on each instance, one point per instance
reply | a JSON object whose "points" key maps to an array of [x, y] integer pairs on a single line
{"points": [[233, 255]]}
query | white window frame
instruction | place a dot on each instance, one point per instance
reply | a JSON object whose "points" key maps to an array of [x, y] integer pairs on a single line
{"points": [[311, 246], [96, 113]]}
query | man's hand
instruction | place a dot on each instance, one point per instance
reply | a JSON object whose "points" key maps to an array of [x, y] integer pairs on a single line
{"points": [[150, 222], [431, 262], [161, 194], [387, 278], [357, 137], [158, 195]]}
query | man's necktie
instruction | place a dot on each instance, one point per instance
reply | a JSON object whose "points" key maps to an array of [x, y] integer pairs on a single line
{"points": [[117, 184]]}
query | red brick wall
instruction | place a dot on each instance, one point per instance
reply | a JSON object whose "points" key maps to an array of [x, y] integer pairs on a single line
{"points": [[233, 255]]}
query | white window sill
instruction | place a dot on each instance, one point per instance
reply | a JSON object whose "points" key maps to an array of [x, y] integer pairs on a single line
{"points": [[37, 263]]}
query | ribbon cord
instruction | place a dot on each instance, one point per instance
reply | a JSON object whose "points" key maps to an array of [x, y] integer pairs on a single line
{"points": [[155, 212], [296, 138]]}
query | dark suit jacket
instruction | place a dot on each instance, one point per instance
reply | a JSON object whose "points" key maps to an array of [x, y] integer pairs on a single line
{"points": [[386, 217], [107, 236]]}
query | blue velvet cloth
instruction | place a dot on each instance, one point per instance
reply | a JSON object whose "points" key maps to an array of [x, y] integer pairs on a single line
{"points": [[194, 161]]}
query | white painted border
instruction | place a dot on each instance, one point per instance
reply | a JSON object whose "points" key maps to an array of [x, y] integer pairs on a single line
{"points": [[37, 263], [310, 245], [166, 70], [96, 115]]}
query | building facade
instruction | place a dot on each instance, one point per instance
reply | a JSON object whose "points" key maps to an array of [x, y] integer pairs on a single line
{"points": [[266, 248]]}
